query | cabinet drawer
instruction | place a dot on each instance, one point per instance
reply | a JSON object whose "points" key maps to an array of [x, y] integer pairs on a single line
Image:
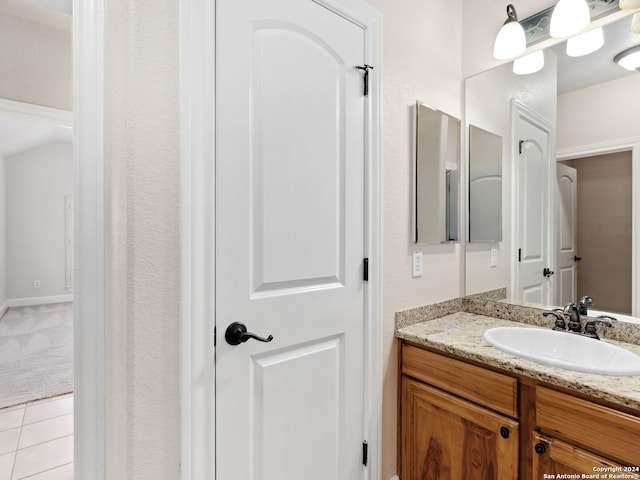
{"points": [[601, 429], [491, 389]]}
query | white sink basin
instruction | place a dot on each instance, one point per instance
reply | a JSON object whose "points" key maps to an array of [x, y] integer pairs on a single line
{"points": [[564, 350]]}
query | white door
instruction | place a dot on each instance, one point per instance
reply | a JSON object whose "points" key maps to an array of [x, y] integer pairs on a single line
{"points": [[290, 241], [566, 249], [533, 211]]}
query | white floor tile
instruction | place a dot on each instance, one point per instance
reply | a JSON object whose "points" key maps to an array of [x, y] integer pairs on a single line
{"points": [[46, 430], [11, 418], [9, 440], [42, 457], [6, 464], [50, 409], [60, 473]]}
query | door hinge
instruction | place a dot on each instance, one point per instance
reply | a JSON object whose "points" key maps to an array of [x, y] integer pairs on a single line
{"points": [[519, 254], [366, 69], [520, 146], [215, 339], [365, 453], [365, 269]]}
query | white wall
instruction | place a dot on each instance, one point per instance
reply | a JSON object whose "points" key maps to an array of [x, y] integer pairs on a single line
{"points": [[605, 112], [421, 60], [142, 240], [3, 236], [488, 96], [37, 182], [36, 50]]}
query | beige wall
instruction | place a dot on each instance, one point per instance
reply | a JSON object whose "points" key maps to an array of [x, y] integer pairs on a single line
{"points": [[35, 47], [142, 250], [421, 60]]}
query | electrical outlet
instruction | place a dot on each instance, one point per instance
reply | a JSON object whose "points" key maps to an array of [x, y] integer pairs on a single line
{"points": [[417, 264], [36, 284]]}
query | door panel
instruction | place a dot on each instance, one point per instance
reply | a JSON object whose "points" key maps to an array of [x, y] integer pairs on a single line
{"points": [[290, 241], [566, 234]]}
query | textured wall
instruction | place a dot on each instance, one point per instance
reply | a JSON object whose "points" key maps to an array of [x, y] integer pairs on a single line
{"points": [[421, 60], [36, 49], [142, 294], [37, 182]]}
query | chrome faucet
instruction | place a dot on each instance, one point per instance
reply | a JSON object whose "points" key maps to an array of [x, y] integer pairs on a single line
{"points": [[584, 304]]}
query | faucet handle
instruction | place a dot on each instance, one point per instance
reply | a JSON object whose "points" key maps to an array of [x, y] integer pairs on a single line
{"points": [[606, 318], [590, 327]]}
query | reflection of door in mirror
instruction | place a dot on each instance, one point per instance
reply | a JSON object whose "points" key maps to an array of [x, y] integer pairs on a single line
{"points": [[603, 222], [566, 235], [485, 186], [533, 276]]}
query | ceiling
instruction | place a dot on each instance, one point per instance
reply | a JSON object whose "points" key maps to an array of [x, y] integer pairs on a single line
{"points": [[17, 136], [598, 67]]}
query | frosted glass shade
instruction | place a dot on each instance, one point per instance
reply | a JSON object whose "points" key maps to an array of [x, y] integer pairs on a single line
{"points": [[629, 4], [529, 63], [629, 59], [585, 43], [635, 24], [569, 17], [510, 41]]}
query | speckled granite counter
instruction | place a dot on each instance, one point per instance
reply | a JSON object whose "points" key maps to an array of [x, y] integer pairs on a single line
{"points": [[461, 333]]}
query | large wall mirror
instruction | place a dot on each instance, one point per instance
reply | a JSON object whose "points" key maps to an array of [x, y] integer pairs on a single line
{"points": [[437, 177], [570, 169]]}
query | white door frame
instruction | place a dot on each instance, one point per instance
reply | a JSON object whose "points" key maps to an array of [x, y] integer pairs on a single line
{"points": [[197, 120], [614, 146], [88, 152]]}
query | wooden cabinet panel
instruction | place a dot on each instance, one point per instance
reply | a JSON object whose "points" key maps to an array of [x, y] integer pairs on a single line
{"points": [[446, 438], [595, 427], [562, 458], [488, 388]]}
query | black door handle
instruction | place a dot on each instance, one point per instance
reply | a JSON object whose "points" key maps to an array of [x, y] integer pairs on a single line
{"points": [[237, 333], [547, 272], [577, 258]]}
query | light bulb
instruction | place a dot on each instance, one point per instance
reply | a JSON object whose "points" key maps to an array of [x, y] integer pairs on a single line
{"points": [[511, 40], [530, 63], [629, 4], [569, 17], [585, 43]]}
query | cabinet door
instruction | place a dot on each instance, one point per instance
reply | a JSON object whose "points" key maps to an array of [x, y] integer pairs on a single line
{"points": [[553, 457], [446, 438]]}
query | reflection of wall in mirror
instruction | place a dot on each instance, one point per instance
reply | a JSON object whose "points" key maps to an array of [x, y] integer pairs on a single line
{"points": [[487, 104], [3, 238]]}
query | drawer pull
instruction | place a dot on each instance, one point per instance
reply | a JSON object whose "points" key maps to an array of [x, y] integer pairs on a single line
{"points": [[540, 448], [504, 432]]}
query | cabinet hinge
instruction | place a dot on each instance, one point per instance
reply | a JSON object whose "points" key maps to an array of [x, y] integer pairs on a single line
{"points": [[365, 269], [365, 453]]}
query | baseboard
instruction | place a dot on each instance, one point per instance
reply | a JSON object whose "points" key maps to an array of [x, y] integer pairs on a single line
{"points": [[28, 301]]}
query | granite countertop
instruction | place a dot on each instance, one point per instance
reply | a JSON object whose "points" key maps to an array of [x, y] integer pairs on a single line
{"points": [[461, 333]]}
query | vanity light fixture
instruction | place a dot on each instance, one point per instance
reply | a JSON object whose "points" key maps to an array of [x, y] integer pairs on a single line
{"points": [[530, 63], [629, 59], [585, 43], [510, 41], [569, 17]]}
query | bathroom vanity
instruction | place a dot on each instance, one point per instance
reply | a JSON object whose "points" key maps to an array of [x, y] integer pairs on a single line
{"points": [[468, 410]]}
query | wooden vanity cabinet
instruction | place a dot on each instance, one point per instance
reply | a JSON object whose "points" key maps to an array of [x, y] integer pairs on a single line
{"points": [[459, 420], [445, 437]]}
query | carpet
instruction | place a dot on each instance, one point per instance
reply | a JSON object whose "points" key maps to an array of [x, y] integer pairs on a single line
{"points": [[36, 353]]}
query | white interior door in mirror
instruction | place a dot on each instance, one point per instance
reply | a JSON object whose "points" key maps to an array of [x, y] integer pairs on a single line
{"points": [[532, 141], [566, 249]]}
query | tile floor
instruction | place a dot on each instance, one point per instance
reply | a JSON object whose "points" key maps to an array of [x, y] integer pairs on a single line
{"points": [[36, 440]]}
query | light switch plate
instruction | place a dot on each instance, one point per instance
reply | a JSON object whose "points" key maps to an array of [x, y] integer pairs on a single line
{"points": [[494, 257], [417, 264]]}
